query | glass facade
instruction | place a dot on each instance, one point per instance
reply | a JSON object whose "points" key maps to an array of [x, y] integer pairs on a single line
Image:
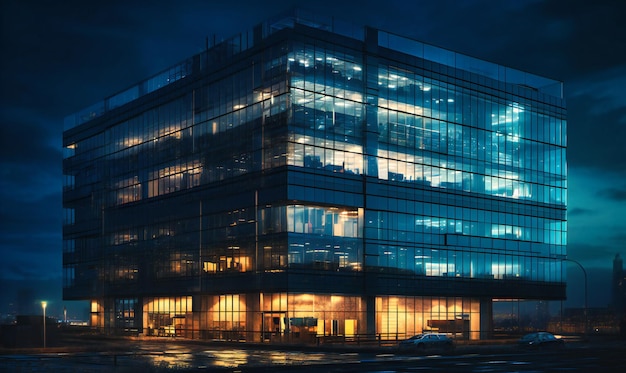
{"points": [[301, 181]]}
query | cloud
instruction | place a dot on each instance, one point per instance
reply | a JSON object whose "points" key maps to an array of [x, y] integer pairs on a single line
{"points": [[605, 86], [553, 38], [620, 238], [38, 216], [600, 254], [30, 235], [580, 211], [22, 266], [596, 138], [615, 194], [594, 36], [28, 136]]}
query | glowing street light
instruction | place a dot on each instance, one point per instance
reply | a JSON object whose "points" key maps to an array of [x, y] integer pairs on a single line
{"points": [[44, 304]]}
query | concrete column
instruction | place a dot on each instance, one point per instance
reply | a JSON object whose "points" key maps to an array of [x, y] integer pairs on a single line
{"points": [[370, 314], [486, 318], [253, 318]]}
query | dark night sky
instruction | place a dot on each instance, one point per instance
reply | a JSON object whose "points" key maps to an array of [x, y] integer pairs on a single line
{"points": [[61, 56]]}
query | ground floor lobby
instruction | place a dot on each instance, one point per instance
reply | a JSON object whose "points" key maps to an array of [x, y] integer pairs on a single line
{"points": [[288, 317]]}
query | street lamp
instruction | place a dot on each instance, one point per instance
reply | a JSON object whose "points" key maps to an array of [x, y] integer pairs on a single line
{"points": [[585, 277], [44, 304]]}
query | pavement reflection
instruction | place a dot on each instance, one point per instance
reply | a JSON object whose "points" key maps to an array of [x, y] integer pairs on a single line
{"points": [[161, 356]]}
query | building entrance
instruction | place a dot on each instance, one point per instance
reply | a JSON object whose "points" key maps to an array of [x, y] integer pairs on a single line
{"points": [[274, 326]]}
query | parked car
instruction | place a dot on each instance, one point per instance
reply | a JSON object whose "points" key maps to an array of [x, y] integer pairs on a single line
{"points": [[426, 341], [540, 340]]}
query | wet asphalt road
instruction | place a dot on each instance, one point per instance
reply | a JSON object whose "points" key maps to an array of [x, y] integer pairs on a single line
{"points": [[182, 356]]}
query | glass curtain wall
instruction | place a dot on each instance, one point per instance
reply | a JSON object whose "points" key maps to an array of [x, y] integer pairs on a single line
{"points": [[450, 142]]}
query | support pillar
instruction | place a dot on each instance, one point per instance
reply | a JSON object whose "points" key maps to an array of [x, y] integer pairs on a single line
{"points": [[254, 318], [370, 314], [486, 318]]}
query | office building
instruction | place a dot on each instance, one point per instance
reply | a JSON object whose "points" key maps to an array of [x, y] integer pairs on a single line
{"points": [[307, 178]]}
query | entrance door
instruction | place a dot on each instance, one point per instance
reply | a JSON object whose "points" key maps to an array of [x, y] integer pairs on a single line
{"points": [[180, 326], [273, 325]]}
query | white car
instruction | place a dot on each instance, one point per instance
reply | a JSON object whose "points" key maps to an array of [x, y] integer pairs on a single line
{"points": [[426, 341]]}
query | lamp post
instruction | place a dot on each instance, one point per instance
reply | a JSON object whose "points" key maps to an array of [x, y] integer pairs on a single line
{"points": [[585, 277], [44, 304]]}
